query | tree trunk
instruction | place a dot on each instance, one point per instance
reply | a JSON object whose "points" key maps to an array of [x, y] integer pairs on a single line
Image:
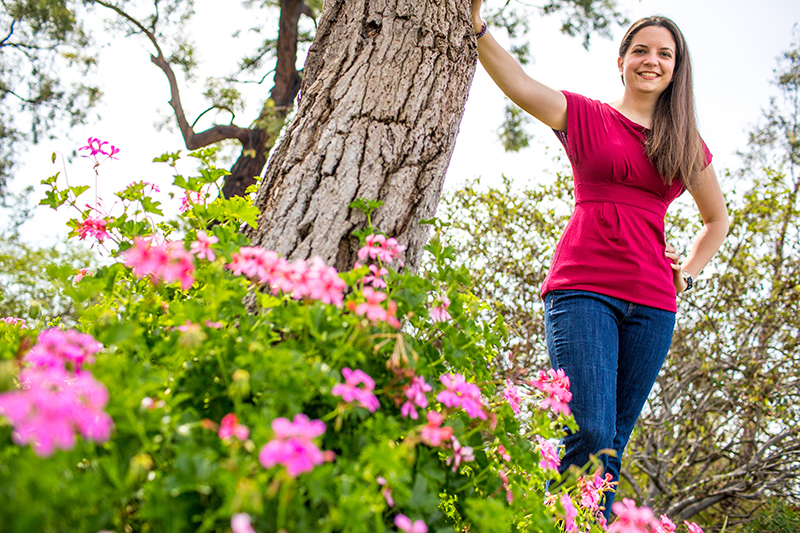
{"points": [[382, 98]]}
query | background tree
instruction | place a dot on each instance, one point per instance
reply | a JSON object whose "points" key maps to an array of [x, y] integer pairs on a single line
{"points": [[43, 64], [719, 435]]}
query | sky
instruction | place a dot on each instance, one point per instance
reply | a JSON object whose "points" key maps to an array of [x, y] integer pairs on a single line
{"points": [[733, 44]]}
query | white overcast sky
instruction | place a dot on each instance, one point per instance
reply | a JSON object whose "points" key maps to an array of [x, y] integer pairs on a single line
{"points": [[733, 43]]}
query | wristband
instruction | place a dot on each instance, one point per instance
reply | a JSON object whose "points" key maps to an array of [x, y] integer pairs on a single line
{"points": [[482, 32]]}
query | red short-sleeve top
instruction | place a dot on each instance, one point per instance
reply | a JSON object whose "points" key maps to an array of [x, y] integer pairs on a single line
{"points": [[614, 241]]}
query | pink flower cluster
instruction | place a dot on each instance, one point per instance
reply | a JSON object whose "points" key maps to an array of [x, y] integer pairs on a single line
{"points": [[201, 248], [293, 445], [167, 262], [230, 427], [63, 349], [351, 392], [459, 393], [438, 312], [21, 322], [511, 394], [379, 247], [592, 489], [460, 454], [405, 524], [301, 279], [433, 434], [95, 148], [550, 459], [189, 199], [373, 309], [54, 402], [555, 385], [415, 392], [633, 519], [93, 227]]}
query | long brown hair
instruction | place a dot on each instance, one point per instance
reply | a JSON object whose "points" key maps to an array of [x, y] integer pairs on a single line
{"points": [[673, 143]]}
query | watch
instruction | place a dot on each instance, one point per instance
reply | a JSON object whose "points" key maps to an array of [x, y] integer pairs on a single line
{"points": [[689, 280]]}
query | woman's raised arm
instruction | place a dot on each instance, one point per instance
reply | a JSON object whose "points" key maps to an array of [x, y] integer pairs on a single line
{"points": [[542, 102]]}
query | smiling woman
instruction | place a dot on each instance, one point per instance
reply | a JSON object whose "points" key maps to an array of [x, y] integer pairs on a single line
{"points": [[610, 294]]}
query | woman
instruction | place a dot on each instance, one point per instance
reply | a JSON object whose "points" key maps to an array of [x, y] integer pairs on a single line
{"points": [[610, 293]]}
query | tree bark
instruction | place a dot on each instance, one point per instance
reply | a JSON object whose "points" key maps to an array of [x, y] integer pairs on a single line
{"points": [[382, 98]]}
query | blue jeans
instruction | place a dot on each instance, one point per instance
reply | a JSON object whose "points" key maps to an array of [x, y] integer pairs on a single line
{"points": [[612, 351]]}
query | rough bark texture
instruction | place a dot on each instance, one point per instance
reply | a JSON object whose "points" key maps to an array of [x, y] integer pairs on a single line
{"points": [[382, 99]]}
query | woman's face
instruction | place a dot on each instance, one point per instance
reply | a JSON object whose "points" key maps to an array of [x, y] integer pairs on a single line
{"points": [[649, 63]]}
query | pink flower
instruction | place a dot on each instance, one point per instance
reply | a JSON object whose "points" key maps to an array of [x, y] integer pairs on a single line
{"points": [[550, 459], [351, 392], [189, 199], [58, 349], [324, 283], [693, 528], [432, 434], [240, 523], [15, 322], [631, 519], [95, 147], [230, 427], [555, 385], [52, 405], [82, 273], [167, 262], [570, 514], [512, 397], [460, 454], [459, 393], [386, 492], [372, 307], [201, 248], [376, 277], [665, 525], [438, 312], [214, 325], [504, 480], [501, 451], [292, 446], [94, 227], [404, 524], [415, 392], [380, 248]]}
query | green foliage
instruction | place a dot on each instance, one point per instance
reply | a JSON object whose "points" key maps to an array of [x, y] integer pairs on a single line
{"points": [[776, 517], [178, 359]]}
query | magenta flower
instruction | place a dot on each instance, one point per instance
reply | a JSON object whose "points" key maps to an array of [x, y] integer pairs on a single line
{"points": [[404, 524], [631, 519], [503, 453], [386, 491], [380, 248], [95, 148], [693, 528], [507, 487], [82, 273], [438, 312], [665, 525], [592, 489], [460, 454], [351, 392], [324, 283], [512, 397], [570, 514], [240, 523], [230, 427], [550, 459], [189, 199], [201, 248], [460, 393], [415, 392], [555, 385], [93, 227], [433, 434], [59, 349], [372, 307], [52, 405], [293, 445], [168, 262], [375, 277], [21, 322]]}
